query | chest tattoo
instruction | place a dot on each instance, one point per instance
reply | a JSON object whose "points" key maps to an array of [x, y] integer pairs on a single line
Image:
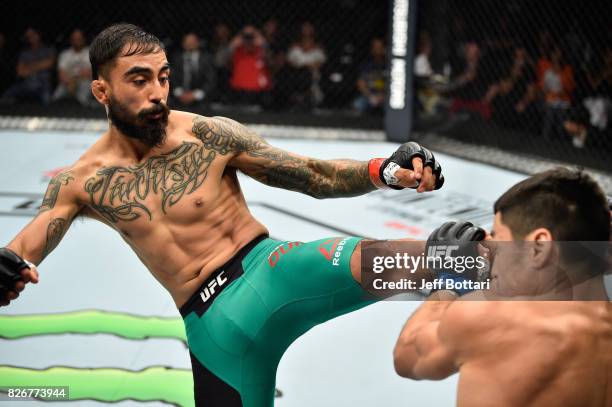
{"points": [[119, 193]]}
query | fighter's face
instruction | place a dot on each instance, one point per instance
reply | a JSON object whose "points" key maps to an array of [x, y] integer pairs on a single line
{"points": [[137, 96], [517, 267]]}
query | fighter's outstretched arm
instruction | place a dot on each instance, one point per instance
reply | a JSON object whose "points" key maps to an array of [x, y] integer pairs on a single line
{"points": [[42, 235], [317, 178]]}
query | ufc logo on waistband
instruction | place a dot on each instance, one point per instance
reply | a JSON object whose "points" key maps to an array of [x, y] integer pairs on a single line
{"points": [[443, 251], [208, 291]]}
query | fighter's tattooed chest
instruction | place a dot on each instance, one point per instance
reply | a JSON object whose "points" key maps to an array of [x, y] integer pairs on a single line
{"points": [[129, 193]]}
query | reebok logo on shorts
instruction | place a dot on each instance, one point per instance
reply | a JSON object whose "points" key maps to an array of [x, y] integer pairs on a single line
{"points": [[331, 249]]}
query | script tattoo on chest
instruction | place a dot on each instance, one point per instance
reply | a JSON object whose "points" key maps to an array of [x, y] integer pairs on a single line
{"points": [[119, 193]]}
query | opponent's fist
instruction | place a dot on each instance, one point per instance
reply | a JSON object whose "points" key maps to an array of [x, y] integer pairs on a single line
{"points": [[15, 272], [452, 251], [410, 166]]}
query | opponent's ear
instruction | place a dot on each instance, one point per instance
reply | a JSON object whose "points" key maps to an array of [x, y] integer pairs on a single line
{"points": [[541, 247], [100, 89]]}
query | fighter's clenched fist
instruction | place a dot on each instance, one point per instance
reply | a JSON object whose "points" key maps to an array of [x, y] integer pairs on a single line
{"points": [[15, 273], [410, 166]]}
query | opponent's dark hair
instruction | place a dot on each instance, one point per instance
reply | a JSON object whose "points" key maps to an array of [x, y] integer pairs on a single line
{"points": [[109, 44], [569, 203]]}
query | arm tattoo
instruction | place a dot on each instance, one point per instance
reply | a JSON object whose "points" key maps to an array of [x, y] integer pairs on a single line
{"points": [[224, 135], [278, 168], [61, 179], [55, 232]]}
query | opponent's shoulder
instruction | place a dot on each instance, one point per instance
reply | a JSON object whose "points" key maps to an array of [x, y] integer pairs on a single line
{"points": [[466, 318]]}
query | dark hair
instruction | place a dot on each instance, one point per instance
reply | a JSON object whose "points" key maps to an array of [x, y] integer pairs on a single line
{"points": [[569, 203], [580, 115], [107, 46]]}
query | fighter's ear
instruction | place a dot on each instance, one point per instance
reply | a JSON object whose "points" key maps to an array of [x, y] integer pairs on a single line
{"points": [[541, 246], [539, 235], [100, 89]]}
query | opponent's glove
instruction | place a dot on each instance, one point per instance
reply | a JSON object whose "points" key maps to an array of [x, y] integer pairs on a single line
{"points": [[448, 243], [382, 171], [10, 271]]}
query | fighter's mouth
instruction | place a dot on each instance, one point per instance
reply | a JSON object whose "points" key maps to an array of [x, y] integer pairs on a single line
{"points": [[155, 116]]}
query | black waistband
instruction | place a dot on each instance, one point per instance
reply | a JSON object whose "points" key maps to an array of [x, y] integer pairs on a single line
{"points": [[218, 280]]}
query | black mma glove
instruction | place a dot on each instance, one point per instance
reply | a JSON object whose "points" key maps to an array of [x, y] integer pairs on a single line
{"points": [[10, 271], [382, 171], [447, 245]]}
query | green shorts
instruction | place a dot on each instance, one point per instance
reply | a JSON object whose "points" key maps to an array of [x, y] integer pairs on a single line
{"points": [[245, 316]]}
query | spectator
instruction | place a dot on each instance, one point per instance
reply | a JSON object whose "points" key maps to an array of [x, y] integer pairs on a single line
{"points": [[250, 78], [34, 66], [74, 71], [589, 122], [466, 85], [582, 126], [468, 88], [422, 64], [556, 84], [275, 55], [427, 95], [601, 82], [506, 93], [577, 126], [372, 78], [222, 55], [306, 56], [6, 67], [193, 71]]}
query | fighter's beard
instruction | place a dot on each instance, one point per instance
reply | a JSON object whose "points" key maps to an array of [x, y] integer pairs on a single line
{"points": [[151, 132]]}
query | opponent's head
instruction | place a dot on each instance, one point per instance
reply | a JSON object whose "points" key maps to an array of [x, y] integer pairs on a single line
{"points": [[556, 206], [131, 79], [560, 204]]}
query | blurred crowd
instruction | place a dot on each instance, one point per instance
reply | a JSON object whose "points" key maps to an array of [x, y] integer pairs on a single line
{"points": [[253, 66], [559, 88]]}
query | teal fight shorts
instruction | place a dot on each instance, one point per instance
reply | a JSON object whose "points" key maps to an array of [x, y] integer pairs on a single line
{"points": [[247, 313]]}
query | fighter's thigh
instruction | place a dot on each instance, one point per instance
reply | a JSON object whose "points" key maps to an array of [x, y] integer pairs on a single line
{"points": [[312, 267]]}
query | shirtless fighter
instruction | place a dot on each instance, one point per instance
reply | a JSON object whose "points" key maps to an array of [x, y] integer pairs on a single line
{"points": [[511, 351], [166, 182]]}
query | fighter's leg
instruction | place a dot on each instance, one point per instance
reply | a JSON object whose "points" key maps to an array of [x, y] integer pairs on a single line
{"points": [[382, 248]]}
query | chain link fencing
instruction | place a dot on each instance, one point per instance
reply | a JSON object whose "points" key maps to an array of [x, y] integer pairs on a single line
{"points": [[526, 77], [523, 76], [273, 56]]}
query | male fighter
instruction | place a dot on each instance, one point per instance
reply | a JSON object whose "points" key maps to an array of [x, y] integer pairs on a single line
{"points": [[166, 182], [511, 350]]}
